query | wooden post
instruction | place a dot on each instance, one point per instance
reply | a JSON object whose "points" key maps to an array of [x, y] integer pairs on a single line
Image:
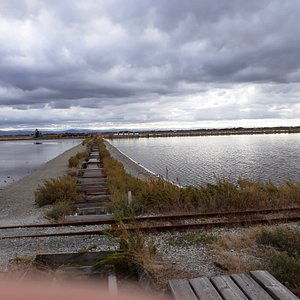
{"points": [[129, 197]]}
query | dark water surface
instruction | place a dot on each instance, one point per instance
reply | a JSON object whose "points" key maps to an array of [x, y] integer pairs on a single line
{"points": [[199, 160], [19, 158]]}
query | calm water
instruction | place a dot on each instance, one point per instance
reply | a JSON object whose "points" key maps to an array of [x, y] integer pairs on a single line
{"points": [[199, 160], [18, 158]]}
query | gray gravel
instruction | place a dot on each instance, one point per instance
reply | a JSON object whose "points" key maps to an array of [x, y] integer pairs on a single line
{"points": [[29, 247], [17, 207], [196, 260]]}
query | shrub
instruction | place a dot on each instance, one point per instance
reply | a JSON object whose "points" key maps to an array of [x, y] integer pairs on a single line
{"points": [[73, 162], [59, 210], [73, 172], [76, 159], [286, 269], [56, 190], [283, 239], [81, 155]]}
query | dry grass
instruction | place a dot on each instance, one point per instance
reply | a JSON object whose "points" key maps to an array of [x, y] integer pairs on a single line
{"points": [[75, 160], [276, 249], [136, 258], [59, 210], [73, 172], [62, 189]]}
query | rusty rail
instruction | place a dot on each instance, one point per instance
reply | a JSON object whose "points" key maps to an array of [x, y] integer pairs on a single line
{"points": [[167, 227], [164, 217]]}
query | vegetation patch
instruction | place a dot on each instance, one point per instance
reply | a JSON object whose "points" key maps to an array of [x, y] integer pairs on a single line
{"points": [[192, 238], [61, 192], [76, 159], [136, 257], [282, 239], [59, 210], [276, 249], [62, 189]]}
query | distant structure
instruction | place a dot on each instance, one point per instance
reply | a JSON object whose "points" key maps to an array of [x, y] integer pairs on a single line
{"points": [[37, 134]]}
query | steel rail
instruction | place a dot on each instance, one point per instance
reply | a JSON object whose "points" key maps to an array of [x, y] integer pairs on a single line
{"points": [[161, 227], [164, 217]]}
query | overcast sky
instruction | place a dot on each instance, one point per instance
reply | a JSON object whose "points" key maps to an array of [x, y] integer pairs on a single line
{"points": [[149, 63]]}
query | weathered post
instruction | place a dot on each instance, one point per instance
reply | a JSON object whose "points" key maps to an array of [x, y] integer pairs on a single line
{"points": [[129, 197]]}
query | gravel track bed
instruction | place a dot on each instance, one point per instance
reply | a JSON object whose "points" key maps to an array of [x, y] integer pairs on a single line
{"points": [[29, 247], [50, 230]]}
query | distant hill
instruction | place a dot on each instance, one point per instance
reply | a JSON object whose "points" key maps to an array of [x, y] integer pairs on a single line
{"points": [[31, 132]]}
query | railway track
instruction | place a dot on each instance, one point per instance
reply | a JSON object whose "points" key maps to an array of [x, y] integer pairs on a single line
{"points": [[160, 223]]}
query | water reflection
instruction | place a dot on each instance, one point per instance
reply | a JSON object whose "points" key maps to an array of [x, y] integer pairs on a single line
{"points": [[200, 160], [18, 158]]}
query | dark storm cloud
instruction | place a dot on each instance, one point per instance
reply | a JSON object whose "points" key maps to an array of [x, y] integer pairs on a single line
{"points": [[144, 60]]}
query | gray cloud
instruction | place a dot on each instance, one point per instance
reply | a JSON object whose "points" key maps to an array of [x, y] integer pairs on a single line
{"points": [[140, 62]]}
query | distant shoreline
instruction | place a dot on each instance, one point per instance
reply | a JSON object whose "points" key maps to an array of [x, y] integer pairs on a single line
{"points": [[203, 132], [46, 137], [127, 133]]}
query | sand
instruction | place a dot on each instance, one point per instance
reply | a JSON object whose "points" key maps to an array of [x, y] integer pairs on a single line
{"points": [[17, 200]]}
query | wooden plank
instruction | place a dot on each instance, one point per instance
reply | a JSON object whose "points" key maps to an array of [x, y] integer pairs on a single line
{"points": [[91, 171], [91, 167], [95, 191], [92, 176], [227, 288], [250, 287], [85, 169], [88, 204], [95, 198], [58, 259], [89, 218], [181, 289], [272, 285], [93, 160], [204, 289], [112, 283], [92, 185], [91, 180], [98, 210]]}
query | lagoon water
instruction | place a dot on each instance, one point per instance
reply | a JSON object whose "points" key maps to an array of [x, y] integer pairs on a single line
{"points": [[200, 160], [19, 158]]}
